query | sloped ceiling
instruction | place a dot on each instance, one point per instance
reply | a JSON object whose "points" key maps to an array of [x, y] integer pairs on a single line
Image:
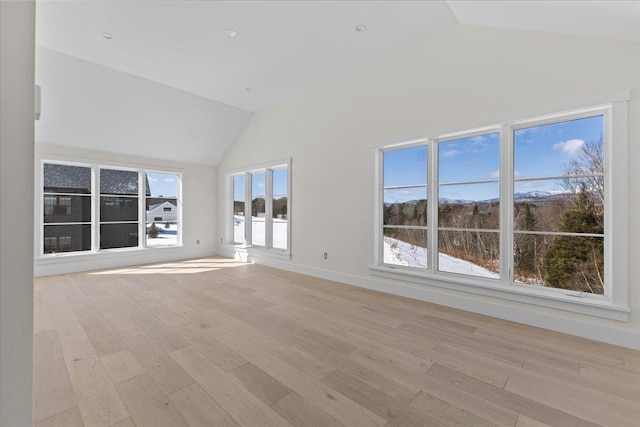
{"points": [[280, 48]]}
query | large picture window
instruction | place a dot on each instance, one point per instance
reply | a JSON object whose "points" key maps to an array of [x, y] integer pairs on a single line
{"points": [[559, 196], [523, 207], [260, 197], [469, 205], [91, 208]]}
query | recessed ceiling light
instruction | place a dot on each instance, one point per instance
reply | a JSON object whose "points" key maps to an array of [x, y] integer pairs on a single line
{"points": [[360, 28], [107, 36], [231, 32]]}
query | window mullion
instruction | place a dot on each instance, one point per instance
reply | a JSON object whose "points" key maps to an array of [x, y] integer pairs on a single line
{"points": [[432, 203], [268, 207], [506, 205], [248, 223], [95, 203], [142, 209]]}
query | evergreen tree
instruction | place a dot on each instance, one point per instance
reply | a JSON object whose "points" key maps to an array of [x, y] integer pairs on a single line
{"points": [[577, 263], [153, 231]]}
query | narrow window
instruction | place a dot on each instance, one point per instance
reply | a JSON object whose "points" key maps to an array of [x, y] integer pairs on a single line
{"points": [[280, 207], [404, 209], [238, 209], [66, 208], [469, 205], [258, 209], [162, 222], [118, 209]]}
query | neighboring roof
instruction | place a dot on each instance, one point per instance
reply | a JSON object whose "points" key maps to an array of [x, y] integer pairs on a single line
{"points": [[157, 205], [77, 179]]}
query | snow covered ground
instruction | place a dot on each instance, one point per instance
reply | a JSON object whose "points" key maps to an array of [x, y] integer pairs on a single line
{"points": [[398, 252], [166, 236], [258, 231]]}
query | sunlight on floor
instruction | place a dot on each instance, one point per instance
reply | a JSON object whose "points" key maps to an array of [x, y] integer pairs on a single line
{"points": [[180, 267]]}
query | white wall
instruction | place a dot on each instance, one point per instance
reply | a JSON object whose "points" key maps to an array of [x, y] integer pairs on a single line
{"points": [[465, 76], [17, 26], [199, 198], [89, 106]]}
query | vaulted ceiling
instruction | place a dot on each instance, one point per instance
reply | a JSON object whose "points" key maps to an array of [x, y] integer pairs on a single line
{"points": [[253, 54]]}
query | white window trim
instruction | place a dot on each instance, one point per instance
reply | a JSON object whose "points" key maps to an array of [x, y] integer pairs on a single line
{"points": [[41, 258], [247, 247], [612, 305]]}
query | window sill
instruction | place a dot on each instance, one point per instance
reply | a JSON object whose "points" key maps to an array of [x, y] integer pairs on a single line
{"points": [[104, 253], [245, 252], [544, 297]]}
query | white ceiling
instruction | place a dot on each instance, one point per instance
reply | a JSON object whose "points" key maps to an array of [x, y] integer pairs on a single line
{"points": [[282, 48], [285, 47]]}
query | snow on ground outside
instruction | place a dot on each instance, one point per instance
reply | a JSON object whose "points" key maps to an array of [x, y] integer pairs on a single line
{"points": [[166, 236], [398, 252], [258, 231]]}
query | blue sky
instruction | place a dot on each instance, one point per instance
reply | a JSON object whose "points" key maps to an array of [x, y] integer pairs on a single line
{"points": [[540, 151], [163, 184], [258, 185]]}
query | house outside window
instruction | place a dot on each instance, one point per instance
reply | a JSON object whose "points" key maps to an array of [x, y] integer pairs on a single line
{"points": [[93, 208], [67, 208], [524, 208]]}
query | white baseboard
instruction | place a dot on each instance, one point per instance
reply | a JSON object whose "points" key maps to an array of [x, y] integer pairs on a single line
{"points": [[558, 323], [89, 262]]}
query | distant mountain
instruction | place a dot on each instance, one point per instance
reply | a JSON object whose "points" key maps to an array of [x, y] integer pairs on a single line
{"points": [[445, 201], [529, 197], [533, 195]]}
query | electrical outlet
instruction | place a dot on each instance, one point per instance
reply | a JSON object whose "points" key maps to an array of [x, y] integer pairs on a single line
{"points": [[325, 255], [197, 242], [220, 240]]}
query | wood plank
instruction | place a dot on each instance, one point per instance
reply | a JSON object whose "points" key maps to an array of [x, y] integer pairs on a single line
{"points": [[395, 412], [46, 347], [147, 404], [199, 409], [125, 423], [299, 412], [524, 421], [576, 399], [227, 390], [97, 399], [261, 384], [164, 370], [219, 353], [446, 412], [65, 320], [70, 418], [504, 398], [122, 366], [324, 397], [314, 368], [52, 390]]}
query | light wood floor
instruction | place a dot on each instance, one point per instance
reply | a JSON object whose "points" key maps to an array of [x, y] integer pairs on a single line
{"points": [[212, 342]]}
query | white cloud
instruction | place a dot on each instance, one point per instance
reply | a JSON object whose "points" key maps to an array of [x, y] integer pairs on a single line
{"points": [[152, 179], [570, 148], [169, 180], [495, 174], [478, 139], [449, 153]]}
